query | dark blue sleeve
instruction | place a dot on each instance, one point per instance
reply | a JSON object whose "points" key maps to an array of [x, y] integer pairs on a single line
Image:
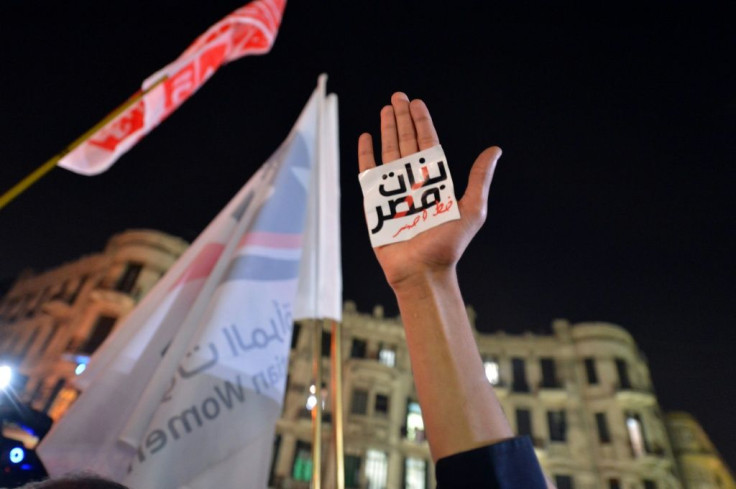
{"points": [[510, 464]]}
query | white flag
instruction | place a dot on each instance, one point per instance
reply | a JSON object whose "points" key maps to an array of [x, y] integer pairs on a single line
{"points": [[186, 392], [248, 30]]}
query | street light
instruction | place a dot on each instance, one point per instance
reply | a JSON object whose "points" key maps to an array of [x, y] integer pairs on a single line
{"points": [[6, 376]]}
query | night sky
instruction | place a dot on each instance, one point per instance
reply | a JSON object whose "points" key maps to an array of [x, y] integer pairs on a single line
{"points": [[613, 200]]}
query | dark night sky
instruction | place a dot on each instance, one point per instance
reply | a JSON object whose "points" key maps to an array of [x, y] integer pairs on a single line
{"points": [[612, 202]]}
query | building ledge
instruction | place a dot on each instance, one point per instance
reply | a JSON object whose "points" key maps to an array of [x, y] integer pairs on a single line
{"points": [[635, 396], [58, 309], [553, 393]]}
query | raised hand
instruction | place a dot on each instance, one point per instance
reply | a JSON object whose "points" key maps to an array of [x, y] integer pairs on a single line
{"points": [[406, 128]]}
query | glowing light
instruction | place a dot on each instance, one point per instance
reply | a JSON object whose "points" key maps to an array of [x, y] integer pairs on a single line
{"points": [[491, 369], [311, 402], [80, 368], [312, 399], [17, 455], [6, 375]]}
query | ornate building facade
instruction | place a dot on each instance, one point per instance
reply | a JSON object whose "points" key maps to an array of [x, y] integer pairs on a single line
{"points": [[50, 323], [700, 463], [582, 393]]}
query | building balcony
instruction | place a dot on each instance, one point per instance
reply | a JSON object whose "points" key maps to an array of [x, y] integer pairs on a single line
{"points": [[122, 299], [552, 391], [635, 395], [58, 308]]}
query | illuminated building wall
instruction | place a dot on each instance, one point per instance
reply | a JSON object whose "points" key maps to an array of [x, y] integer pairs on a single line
{"points": [[51, 322], [701, 465], [583, 394]]}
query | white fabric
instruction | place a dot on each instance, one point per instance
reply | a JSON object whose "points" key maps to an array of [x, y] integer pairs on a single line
{"points": [[203, 413], [408, 196], [251, 29], [322, 234]]}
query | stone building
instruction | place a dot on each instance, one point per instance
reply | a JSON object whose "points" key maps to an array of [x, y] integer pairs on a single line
{"points": [[51, 322], [700, 464], [582, 393]]}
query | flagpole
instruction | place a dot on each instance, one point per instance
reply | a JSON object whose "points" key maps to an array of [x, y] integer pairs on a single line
{"points": [[317, 409], [337, 402], [42, 170]]}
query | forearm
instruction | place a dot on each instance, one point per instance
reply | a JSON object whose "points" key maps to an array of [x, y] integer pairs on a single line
{"points": [[459, 407]]}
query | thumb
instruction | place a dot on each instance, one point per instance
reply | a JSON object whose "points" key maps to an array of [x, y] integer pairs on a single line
{"points": [[479, 181]]}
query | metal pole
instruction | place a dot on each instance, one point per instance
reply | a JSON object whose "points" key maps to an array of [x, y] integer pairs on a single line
{"points": [[317, 409], [337, 412], [51, 163]]}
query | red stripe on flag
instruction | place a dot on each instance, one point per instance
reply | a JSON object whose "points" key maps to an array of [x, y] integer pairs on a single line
{"points": [[202, 265]]}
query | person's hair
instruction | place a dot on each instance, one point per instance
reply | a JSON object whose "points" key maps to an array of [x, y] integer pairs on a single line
{"points": [[75, 481]]}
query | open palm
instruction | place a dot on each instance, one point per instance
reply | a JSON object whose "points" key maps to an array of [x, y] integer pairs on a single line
{"points": [[406, 128]]}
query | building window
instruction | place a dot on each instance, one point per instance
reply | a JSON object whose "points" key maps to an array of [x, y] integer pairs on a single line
{"points": [[127, 280], [376, 469], [523, 422], [296, 328], [387, 355], [381, 404], [604, 436], [414, 422], [415, 473], [274, 458], [359, 402], [518, 370], [301, 469], [590, 371], [326, 343], [649, 484], [557, 425], [27, 306], [100, 331], [352, 472], [31, 339], [59, 294], [549, 373], [47, 340], [564, 482], [623, 374], [636, 434], [60, 400], [73, 297], [358, 348], [490, 366], [614, 484], [42, 298]]}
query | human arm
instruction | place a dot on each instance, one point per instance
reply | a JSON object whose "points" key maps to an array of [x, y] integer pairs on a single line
{"points": [[459, 407]]}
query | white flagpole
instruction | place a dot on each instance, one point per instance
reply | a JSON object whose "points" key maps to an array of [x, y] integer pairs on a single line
{"points": [[317, 323]]}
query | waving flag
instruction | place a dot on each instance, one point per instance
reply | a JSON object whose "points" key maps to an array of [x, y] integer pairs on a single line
{"points": [[251, 29], [186, 392]]}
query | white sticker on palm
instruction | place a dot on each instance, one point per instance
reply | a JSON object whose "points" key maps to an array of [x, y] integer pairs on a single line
{"points": [[408, 196]]}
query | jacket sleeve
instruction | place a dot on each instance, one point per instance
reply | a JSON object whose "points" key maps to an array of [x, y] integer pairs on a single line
{"points": [[510, 464]]}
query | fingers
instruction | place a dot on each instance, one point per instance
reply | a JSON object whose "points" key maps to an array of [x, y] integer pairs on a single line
{"points": [[426, 134], [389, 135], [404, 125], [475, 199], [366, 160]]}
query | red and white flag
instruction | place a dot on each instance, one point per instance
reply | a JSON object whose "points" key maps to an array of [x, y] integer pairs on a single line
{"points": [[250, 29], [186, 391]]}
